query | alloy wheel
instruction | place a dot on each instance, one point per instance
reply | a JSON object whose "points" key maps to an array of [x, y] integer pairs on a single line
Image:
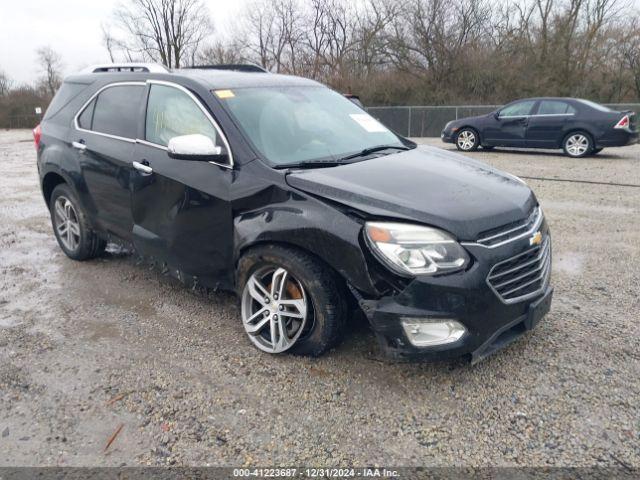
{"points": [[274, 309], [66, 223], [577, 145], [466, 140]]}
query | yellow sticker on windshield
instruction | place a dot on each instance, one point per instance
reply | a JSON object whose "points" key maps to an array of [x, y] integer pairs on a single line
{"points": [[224, 94]]}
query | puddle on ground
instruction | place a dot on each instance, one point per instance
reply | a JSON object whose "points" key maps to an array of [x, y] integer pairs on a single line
{"points": [[570, 263], [98, 331]]}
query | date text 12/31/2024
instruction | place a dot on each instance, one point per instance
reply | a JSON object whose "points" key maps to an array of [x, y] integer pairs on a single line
{"points": [[316, 472]]}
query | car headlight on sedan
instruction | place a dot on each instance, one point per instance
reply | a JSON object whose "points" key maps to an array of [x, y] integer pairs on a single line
{"points": [[414, 249], [448, 126]]}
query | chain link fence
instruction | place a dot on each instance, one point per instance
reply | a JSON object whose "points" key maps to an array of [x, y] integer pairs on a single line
{"points": [[428, 121], [413, 121], [27, 120]]}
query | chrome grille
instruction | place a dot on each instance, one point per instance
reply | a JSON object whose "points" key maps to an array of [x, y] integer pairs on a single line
{"points": [[511, 231], [522, 276]]}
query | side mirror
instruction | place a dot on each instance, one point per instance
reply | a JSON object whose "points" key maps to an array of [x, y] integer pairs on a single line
{"points": [[496, 115], [195, 147]]}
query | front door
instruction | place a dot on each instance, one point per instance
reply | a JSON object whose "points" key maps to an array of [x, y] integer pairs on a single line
{"points": [[508, 127], [181, 209], [105, 142]]}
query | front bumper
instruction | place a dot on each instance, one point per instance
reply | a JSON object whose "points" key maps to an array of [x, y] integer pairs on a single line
{"points": [[465, 297], [447, 136]]}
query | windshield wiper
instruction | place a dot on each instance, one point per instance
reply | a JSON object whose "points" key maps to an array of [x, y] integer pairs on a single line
{"points": [[332, 162], [370, 150], [329, 162]]}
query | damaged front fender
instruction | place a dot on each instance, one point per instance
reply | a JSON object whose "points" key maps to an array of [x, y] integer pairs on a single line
{"points": [[309, 224]]}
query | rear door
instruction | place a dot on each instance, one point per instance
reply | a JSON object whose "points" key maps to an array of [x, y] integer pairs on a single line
{"points": [[181, 209], [547, 126], [509, 127], [104, 137]]}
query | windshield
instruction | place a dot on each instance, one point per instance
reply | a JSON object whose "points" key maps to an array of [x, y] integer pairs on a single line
{"points": [[292, 125], [595, 105]]}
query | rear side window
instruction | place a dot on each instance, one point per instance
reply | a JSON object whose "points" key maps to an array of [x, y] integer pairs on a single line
{"points": [[172, 113], [518, 109], [595, 105], [555, 107], [86, 117], [67, 92], [115, 111]]}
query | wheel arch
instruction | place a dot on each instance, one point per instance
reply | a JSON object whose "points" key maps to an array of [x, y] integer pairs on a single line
{"points": [[344, 282], [354, 272], [246, 249], [577, 129], [49, 182]]}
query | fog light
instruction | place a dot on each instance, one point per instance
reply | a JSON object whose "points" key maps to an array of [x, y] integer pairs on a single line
{"points": [[426, 332]]}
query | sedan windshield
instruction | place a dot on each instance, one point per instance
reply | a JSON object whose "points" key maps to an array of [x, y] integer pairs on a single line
{"points": [[295, 125]]}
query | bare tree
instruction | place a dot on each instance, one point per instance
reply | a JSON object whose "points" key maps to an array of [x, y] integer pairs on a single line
{"points": [[5, 84], [51, 64], [166, 31], [219, 53]]}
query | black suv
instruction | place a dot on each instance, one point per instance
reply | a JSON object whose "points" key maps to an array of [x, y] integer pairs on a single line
{"points": [[286, 192]]}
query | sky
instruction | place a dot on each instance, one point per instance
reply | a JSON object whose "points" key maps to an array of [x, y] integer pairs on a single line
{"points": [[70, 27]]}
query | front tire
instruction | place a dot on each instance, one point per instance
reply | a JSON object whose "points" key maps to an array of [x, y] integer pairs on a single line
{"points": [[467, 140], [577, 144], [71, 227], [290, 302], [595, 151]]}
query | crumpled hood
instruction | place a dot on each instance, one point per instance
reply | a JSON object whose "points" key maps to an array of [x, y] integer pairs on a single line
{"points": [[426, 185]]}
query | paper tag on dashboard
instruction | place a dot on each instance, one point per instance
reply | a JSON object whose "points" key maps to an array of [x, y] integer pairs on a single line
{"points": [[369, 123]]}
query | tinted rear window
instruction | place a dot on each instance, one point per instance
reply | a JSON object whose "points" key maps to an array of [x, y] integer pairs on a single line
{"points": [[117, 110], [555, 107], [595, 105], [67, 92]]}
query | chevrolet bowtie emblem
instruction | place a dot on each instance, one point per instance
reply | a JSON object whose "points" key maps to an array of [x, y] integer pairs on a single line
{"points": [[536, 239]]}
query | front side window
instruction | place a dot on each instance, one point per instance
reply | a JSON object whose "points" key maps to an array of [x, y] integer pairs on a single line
{"points": [[116, 111], [173, 113], [298, 124], [519, 109], [555, 107]]}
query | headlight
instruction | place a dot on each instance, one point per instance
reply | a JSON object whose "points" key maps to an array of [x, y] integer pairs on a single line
{"points": [[448, 125], [414, 249]]}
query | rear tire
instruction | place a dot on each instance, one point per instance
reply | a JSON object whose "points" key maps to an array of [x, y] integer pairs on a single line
{"points": [[282, 282], [467, 140], [75, 236], [577, 144]]}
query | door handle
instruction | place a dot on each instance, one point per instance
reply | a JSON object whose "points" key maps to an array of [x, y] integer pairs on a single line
{"points": [[141, 167], [79, 145]]}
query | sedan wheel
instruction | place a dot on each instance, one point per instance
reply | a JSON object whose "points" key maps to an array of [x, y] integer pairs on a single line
{"points": [[274, 309], [467, 140], [577, 145]]}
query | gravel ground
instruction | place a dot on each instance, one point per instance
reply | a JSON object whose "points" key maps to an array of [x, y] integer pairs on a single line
{"points": [[88, 347]]}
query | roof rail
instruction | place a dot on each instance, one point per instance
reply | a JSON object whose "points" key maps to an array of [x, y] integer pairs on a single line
{"points": [[126, 67], [240, 67]]}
